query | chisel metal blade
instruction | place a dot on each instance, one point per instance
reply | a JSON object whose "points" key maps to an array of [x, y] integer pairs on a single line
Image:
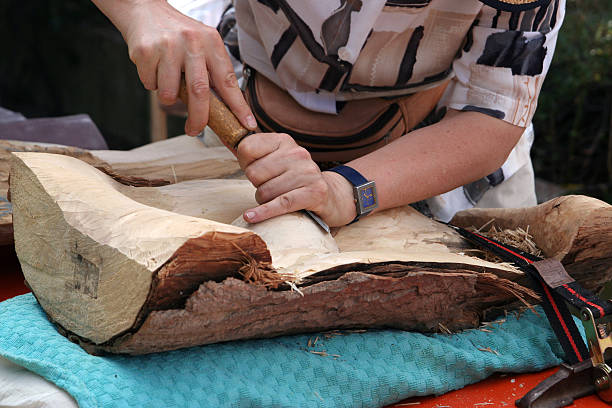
{"points": [[318, 220]]}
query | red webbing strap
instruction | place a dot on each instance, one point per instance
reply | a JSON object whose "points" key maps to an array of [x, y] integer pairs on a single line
{"points": [[553, 302], [557, 278]]}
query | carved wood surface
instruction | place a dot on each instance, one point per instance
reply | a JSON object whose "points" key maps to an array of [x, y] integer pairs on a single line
{"points": [[166, 162]]}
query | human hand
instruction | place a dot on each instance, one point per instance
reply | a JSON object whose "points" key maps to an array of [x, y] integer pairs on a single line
{"points": [[287, 180], [163, 43]]}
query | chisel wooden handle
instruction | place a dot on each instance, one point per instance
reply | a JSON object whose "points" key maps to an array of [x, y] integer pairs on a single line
{"points": [[220, 119], [229, 129]]}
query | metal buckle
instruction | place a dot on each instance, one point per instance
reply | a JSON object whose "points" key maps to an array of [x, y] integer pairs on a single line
{"points": [[582, 379], [599, 341]]}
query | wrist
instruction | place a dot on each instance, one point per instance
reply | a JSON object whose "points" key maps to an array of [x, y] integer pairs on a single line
{"points": [[341, 206], [124, 13]]}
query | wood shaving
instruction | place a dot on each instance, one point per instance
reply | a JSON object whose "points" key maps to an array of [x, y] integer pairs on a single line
{"points": [[294, 288], [498, 322], [488, 350], [444, 329], [331, 334], [519, 238], [324, 354], [260, 273]]}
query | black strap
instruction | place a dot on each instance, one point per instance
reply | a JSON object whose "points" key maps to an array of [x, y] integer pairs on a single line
{"points": [[553, 299], [349, 173]]}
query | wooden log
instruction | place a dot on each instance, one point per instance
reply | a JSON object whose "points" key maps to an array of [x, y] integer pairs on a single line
{"points": [[164, 278], [575, 230], [96, 258], [166, 162]]}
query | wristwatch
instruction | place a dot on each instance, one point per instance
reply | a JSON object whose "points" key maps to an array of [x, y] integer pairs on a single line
{"points": [[364, 191]]}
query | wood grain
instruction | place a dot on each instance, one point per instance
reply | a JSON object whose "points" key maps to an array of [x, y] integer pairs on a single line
{"points": [[170, 161]]}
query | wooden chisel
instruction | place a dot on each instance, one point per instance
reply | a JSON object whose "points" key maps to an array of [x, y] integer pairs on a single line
{"points": [[230, 131]]}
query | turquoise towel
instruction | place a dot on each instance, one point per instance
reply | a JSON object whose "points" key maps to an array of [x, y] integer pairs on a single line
{"points": [[369, 369]]}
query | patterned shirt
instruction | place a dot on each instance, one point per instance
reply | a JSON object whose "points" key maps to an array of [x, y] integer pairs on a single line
{"points": [[324, 51]]}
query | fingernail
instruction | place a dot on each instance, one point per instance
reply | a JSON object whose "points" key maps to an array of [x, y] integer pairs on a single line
{"points": [[249, 215], [251, 122]]}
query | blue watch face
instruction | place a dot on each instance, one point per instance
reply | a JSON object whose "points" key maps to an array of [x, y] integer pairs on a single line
{"points": [[367, 197]]}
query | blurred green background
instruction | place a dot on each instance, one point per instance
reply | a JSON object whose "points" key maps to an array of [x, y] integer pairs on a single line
{"points": [[573, 122], [64, 57]]}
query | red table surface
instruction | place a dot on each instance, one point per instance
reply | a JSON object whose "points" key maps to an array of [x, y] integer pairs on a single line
{"points": [[500, 390]]}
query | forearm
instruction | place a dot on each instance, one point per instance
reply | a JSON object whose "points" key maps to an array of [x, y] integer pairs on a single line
{"points": [[462, 148], [119, 11]]}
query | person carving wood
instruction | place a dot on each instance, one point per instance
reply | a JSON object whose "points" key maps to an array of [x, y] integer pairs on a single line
{"points": [[358, 67]]}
